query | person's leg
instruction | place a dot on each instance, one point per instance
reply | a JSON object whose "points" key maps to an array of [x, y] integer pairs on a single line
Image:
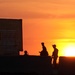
{"points": [[54, 62]]}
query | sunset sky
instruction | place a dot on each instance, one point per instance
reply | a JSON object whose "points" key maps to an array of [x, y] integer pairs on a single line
{"points": [[48, 21]]}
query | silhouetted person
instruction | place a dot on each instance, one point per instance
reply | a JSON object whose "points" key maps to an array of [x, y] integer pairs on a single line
{"points": [[44, 50], [54, 55], [25, 53]]}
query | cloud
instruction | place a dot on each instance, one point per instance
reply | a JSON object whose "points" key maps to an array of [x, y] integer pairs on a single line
{"points": [[67, 16], [47, 15], [38, 15], [10, 1]]}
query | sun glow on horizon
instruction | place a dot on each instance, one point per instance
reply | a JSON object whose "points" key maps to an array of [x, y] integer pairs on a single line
{"points": [[69, 50]]}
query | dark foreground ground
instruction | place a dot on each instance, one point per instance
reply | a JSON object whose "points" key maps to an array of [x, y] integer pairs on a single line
{"points": [[36, 65], [7, 73]]}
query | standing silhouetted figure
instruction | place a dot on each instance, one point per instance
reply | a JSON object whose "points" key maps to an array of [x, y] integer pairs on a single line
{"points": [[44, 50], [54, 55], [25, 53]]}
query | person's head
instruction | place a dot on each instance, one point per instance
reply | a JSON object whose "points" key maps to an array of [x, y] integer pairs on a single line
{"points": [[54, 46], [25, 52], [42, 43]]}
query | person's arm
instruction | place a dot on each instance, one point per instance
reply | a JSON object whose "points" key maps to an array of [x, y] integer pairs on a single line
{"points": [[52, 54]]}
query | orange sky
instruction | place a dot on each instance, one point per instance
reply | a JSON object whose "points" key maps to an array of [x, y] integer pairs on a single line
{"points": [[50, 21]]}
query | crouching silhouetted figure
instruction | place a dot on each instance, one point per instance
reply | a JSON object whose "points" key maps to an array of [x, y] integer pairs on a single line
{"points": [[25, 53], [54, 55], [44, 50]]}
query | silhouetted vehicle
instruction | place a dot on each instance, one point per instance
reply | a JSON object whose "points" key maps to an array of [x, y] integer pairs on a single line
{"points": [[44, 50], [25, 53], [54, 55]]}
